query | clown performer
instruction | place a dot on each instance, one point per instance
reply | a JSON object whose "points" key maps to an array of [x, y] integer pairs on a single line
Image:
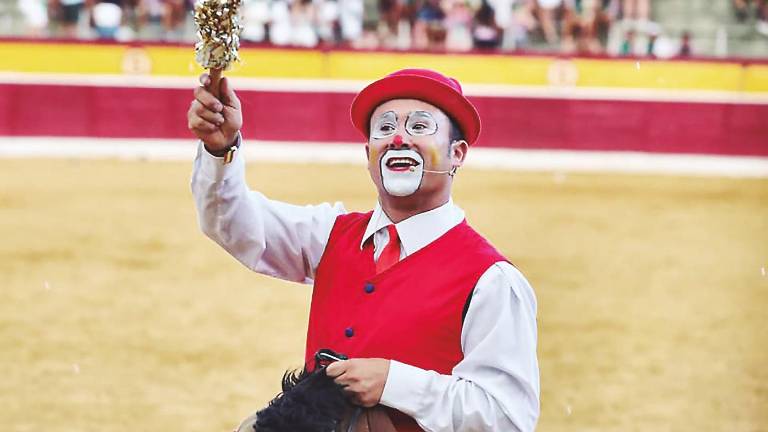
{"points": [[439, 326]]}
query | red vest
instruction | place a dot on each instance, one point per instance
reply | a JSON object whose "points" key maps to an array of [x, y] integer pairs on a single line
{"points": [[411, 312]]}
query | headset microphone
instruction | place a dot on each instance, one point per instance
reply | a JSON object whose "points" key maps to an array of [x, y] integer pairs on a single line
{"points": [[451, 172]]}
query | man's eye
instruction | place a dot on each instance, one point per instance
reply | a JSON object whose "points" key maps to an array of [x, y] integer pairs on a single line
{"points": [[386, 128], [420, 128]]}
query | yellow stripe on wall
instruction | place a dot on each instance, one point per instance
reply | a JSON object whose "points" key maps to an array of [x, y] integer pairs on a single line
{"points": [[756, 78], [81, 58], [61, 58], [264, 63], [172, 61], [476, 69], [659, 74], [276, 63]]}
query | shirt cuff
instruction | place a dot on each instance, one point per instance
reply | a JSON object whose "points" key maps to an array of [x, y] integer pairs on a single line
{"points": [[406, 387], [213, 167]]}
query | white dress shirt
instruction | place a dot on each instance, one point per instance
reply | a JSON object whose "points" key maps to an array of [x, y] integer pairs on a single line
{"points": [[496, 385]]}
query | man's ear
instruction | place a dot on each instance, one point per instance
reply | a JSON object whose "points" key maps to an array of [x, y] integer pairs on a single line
{"points": [[459, 151]]}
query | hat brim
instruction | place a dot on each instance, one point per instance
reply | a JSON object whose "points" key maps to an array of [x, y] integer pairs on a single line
{"points": [[451, 102]]}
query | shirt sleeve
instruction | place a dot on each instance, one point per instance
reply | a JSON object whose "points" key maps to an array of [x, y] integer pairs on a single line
{"points": [[496, 386], [269, 237]]}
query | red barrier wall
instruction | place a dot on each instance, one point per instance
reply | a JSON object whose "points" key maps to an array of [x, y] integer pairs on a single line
{"points": [[529, 123]]}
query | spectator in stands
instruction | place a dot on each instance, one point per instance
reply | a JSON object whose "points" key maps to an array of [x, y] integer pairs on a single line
{"points": [[486, 34], [546, 11], [586, 24], [107, 16], [35, 17], [255, 20], [394, 28], [161, 19], [327, 21], [390, 15], [503, 10], [522, 23], [428, 28], [303, 19], [350, 19], [628, 43], [458, 25], [685, 45], [67, 15], [636, 10], [173, 18], [650, 50], [369, 39], [148, 15], [741, 8], [280, 31], [130, 21]]}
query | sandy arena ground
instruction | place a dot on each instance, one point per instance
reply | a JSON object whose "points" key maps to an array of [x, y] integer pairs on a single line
{"points": [[116, 314]]}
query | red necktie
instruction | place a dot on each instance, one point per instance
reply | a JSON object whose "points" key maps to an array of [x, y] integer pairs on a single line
{"points": [[391, 253]]}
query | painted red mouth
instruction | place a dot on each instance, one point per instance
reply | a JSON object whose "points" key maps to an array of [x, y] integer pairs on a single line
{"points": [[401, 163]]}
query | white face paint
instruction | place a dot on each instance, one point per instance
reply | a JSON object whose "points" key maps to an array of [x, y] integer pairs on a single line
{"points": [[401, 172]]}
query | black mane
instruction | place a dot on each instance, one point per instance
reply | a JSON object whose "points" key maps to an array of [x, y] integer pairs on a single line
{"points": [[309, 402]]}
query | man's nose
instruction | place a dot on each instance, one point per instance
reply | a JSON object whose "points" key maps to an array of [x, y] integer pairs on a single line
{"points": [[397, 142]]}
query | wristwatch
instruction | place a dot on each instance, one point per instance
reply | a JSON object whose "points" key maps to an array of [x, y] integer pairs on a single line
{"points": [[228, 153]]}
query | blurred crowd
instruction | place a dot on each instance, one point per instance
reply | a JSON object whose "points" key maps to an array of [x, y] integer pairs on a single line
{"points": [[107, 19], [616, 27], [742, 10]]}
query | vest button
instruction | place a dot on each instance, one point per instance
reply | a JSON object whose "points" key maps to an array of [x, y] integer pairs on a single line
{"points": [[349, 332], [369, 288]]}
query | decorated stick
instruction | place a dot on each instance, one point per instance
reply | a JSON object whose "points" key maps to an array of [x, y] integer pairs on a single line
{"points": [[218, 30]]}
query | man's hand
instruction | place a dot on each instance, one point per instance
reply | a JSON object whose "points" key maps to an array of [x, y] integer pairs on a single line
{"points": [[363, 379], [216, 122]]}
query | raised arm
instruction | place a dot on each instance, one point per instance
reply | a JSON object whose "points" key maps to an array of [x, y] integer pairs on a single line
{"points": [[269, 237]]}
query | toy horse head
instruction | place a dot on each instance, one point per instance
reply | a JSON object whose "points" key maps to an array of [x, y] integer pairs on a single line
{"points": [[313, 402]]}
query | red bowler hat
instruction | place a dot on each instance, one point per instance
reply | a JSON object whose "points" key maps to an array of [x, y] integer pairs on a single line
{"points": [[422, 84]]}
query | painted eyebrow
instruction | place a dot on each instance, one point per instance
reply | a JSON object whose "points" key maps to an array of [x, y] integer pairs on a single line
{"points": [[424, 113], [420, 113], [387, 112]]}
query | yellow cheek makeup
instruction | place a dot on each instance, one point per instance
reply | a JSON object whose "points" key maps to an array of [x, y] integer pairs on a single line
{"points": [[434, 156], [373, 155]]}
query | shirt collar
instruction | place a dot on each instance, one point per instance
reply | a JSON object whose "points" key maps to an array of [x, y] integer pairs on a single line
{"points": [[419, 230]]}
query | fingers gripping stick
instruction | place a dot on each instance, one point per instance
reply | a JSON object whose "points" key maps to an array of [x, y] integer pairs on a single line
{"points": [[214, 85]]}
